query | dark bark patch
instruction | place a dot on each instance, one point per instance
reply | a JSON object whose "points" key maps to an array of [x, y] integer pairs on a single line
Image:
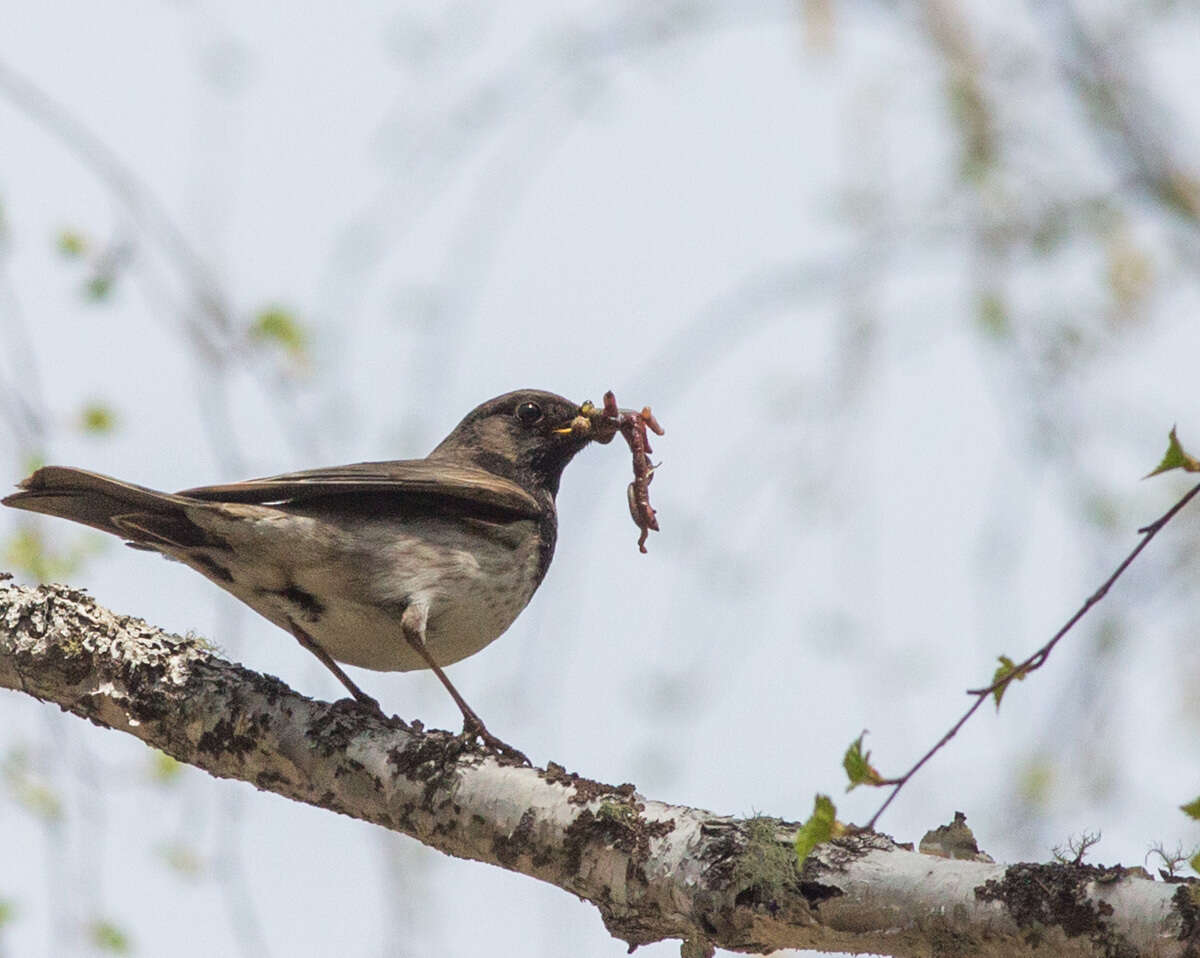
{"points": [[816, 892], [1187, 902], [1040, 897], [586, 789], [618, 825], [430, 758], [225, 739], [509, 848], [272, 781], [335, 726]]}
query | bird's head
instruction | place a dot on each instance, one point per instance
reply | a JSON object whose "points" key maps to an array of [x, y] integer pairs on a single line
{"points": [[527, 435]]}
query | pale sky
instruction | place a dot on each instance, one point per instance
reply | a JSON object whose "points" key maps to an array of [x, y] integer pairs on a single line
{"points": [[864, 499]]}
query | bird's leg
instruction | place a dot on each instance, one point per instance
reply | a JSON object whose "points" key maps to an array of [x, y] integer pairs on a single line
{"points": [[326, 660], [413, 625]]}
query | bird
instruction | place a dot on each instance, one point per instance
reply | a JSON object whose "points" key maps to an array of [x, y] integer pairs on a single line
{"points": [[392, 566]]}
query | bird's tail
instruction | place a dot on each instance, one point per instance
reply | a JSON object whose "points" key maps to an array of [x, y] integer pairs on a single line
{"points": [[145, 516]]}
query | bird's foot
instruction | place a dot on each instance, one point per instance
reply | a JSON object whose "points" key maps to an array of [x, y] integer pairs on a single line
{"points": [[366, 703], [474, 729]]}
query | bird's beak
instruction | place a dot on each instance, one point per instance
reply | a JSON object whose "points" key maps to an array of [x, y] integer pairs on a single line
{"points": [[590, 423]]}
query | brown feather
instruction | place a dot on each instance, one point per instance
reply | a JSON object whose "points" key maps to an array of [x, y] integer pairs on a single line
{"points": [[402, 476], [90, 498]]}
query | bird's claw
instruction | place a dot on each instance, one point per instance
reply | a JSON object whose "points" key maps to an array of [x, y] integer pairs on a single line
{"points": [[474, 729]]}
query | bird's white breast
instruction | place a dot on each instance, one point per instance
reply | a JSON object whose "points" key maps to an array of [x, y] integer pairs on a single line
{"points": [[348, 583]]}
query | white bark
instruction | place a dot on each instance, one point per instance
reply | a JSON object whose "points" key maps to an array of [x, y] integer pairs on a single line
{"points": [[653, 870]]}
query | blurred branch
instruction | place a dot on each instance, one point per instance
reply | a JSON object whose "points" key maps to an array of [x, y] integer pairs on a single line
{"points": [[22, 399], [951, 34], [1113, 101], [207, 314], [140, 202], [546, 85], [209, 318], [654, 871], [178, 286]]}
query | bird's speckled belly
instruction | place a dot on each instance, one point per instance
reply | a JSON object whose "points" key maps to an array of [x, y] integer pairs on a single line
{"points": [[347, 583]]}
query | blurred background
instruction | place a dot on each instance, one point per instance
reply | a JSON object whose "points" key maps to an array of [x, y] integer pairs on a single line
{"points": [[913, 287]]}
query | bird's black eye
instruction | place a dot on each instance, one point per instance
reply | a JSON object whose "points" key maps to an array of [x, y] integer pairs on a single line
{"points": [[529, 413]]}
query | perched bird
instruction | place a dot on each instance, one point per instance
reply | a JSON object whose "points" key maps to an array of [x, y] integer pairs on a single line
{"points": [[392, 566]]}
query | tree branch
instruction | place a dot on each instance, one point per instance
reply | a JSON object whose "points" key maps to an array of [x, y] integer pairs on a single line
{"points": [[653, 870]]}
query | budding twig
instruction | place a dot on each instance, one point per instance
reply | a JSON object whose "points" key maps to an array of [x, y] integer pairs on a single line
{"points": [[1038, 658]]}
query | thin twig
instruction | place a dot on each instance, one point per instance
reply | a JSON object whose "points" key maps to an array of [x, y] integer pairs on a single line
{"points": [[1037, 659]]}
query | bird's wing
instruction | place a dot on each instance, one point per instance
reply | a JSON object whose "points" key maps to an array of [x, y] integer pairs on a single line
{"points": [[420, 476]]}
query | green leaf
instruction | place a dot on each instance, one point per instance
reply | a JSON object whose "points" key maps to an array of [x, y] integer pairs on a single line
{"points": [[1194, 862], [1036, 780], [1006, 669], [98, 287], [8, 911], [993, 316], [39, 799], [28, 553], [279, 326], [72, 244], [28, 789], [1175, 458], [857, 764], [97, 419], [164, 769], [1192, 808], [820, 827], [182, 859], [106, 936]]}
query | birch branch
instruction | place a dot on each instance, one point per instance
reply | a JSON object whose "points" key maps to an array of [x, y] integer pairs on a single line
{"points": [[653, 871]]}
